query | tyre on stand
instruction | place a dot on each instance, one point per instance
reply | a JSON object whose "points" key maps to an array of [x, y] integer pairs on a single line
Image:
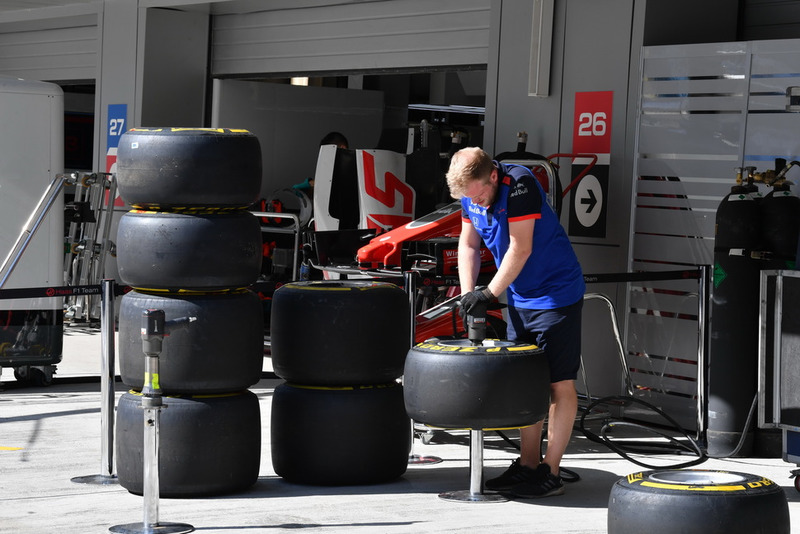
{"points": [[496, 385], [454, 384]]}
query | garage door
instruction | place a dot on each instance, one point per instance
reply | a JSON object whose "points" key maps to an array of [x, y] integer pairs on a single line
{"points": [[353, 37], [57, 49]]}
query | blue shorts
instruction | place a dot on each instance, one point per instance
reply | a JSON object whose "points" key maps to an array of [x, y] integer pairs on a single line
{"points": [[557, 331]]}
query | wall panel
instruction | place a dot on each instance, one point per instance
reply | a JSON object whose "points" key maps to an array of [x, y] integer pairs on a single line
{"points": [[705, 110]]}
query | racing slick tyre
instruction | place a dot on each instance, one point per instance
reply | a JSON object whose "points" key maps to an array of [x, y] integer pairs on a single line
{"points": [[162, 167], [454, 384], [358, 332], [340, 436], [702, 501], [208, 445], [203, 251], [220, 350]]}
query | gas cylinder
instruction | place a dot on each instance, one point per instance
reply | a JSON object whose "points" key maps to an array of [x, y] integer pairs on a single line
{"points": [[733, 343], [780, 226]]}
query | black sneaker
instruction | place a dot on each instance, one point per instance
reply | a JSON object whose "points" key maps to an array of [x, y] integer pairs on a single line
{"points": [[542, 484], [514, 475]]}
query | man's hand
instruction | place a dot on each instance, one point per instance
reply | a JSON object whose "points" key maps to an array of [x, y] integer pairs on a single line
{"points": [[473, 298]]}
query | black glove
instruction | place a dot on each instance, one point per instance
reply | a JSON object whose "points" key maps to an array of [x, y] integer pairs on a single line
{"points": [[471, 299]]}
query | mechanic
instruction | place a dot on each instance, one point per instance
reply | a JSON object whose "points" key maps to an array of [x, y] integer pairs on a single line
{"points": [[504, 206]]}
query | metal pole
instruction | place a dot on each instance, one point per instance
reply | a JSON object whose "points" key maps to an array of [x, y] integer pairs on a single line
{"points": [[107, 373], [105, 246], [152, 417], [475, 462], [410, 283], [617, 338], [703, 316]]}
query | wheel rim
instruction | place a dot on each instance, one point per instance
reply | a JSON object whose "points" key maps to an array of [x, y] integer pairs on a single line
{"points": [[697, 478]]}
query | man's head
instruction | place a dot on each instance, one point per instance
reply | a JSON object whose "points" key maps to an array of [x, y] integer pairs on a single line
{"points": [[334, 138], [473, 174]]}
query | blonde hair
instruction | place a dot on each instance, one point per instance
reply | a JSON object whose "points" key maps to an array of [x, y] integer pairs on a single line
{"points": [[466, 166]]}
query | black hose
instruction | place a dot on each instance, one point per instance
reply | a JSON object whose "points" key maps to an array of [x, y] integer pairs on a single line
{"points": [[639, 447]]}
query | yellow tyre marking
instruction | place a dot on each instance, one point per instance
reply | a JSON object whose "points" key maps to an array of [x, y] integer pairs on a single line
{"points": [[324, 287], [218, 130], [473, 348], [218, 395], [639, 478], [190, 292], [186, 210], [687, 487], [342, 388], [523, 347]]}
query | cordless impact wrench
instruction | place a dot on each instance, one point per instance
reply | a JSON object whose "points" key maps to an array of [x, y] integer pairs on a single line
{"points": [[476, 323]]}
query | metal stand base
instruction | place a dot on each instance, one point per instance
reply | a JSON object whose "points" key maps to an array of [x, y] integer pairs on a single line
{"points": [[158, 528], [101, 480], [468, 496], [416, 459], [475, 492]]}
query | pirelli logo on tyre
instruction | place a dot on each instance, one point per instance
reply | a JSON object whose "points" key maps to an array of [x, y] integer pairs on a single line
{"points": [[717, 482]]}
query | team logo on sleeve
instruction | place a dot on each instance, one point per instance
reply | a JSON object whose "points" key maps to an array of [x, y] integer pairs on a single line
{"points": [[519, 189]]}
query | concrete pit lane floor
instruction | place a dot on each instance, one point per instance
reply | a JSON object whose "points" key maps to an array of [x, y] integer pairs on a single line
{"points": [[49, 435]]}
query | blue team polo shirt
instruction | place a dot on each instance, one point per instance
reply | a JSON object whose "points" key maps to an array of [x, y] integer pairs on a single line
{"points": [[551, 277]]}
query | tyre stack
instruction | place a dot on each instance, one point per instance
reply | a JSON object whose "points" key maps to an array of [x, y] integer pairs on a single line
{"points": [[339, 418], [190, 247]]}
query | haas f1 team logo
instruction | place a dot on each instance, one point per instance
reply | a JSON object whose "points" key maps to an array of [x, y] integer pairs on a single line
{"points": [[389, 201]]}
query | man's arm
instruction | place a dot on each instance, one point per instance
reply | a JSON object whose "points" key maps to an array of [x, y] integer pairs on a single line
{"points": [[519, 249], [469, 257]]}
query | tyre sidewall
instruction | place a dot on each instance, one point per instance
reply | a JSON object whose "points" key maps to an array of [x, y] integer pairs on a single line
{"points": [[220, 351], [208, 445], [339, 333], [339, 436], [641, 502], [476, 387], [173, 251]]}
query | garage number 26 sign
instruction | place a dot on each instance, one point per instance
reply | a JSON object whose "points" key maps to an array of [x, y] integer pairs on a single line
{"points": [[591, 135]]}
